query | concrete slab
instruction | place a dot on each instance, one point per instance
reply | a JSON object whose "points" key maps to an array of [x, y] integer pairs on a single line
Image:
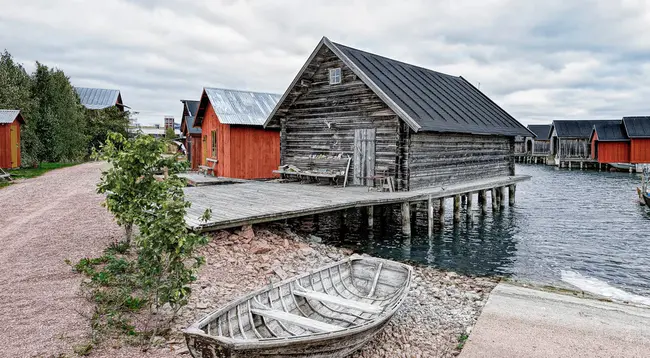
{"points": [[523, 322]]}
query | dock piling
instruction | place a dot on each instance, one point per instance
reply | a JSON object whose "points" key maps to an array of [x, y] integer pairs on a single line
{"points": [[482, 200], [406, 218], [511, 194], [493, 195], [457, 208], [441, 212], [469, 204], [502, 197], [430, 216], [371, 217]]}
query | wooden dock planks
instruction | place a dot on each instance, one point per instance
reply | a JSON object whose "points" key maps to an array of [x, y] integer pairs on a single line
{"points": [[255, 202]]}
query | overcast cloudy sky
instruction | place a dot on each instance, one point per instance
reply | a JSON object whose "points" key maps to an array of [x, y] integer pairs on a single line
{"points": [[540, 60]]}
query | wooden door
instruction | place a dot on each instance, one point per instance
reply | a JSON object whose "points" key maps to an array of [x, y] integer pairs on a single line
{"points": [[14, 145], [364, 156]]}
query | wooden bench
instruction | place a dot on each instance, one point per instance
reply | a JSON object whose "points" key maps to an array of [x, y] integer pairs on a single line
{"points": [[323, 167], [206, 169], [4, 175]]}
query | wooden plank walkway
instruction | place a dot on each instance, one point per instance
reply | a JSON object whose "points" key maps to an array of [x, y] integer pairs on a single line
{"points": [[254, 202]]}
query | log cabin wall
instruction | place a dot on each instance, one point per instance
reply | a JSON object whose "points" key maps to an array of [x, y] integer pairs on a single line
{"points": [[323, 120], [574, 148], [444, 158], [541, 147]]}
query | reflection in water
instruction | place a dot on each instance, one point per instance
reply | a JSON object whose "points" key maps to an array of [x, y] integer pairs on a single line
{"points": [[583, 221]]}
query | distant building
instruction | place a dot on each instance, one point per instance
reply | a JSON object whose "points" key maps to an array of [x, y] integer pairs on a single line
{"points": [[169, 122], [540, 145], [638, 130], [570, 140], [100, 98], [234, 141], [191, 134], [10, 122], [610, 143]]}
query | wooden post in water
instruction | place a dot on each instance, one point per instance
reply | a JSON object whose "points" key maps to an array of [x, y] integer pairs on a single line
{"points": [[495, 202], [371, 217], [430, 216], [482, 199], [502, 197], [581, 165], [469, 204], [457, 208], [511, 194], [441, 212], [406, 218]]}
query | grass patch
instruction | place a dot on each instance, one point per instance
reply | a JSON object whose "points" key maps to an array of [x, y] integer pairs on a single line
{"points": [[26, 173], [4, 184], [461, 341]]}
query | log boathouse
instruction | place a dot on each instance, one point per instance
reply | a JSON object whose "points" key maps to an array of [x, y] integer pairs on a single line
{"points": [[419, 127], [390, 134]]}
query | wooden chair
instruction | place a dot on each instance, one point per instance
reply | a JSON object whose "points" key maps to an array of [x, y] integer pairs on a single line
{"points": [[205, 169]]}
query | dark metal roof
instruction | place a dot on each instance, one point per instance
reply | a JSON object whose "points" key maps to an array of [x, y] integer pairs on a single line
{"points": [[541, 131], [97, 98], [637, 127], [190, 124], [578, 128], [434, 101], [8, 116], [610, 132], [190, 106]]}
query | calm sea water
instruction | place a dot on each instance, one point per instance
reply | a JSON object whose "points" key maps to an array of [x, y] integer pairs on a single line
{"points": [[584, 223]]}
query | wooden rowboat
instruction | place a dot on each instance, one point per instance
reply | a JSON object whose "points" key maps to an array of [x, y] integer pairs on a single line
{"points": [[646, 198], [329, 312]]}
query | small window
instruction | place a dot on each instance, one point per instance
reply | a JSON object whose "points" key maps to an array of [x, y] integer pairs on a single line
{"points": [[335, 76], [214, 144]]}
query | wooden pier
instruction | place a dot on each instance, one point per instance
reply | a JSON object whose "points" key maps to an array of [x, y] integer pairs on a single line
{"points": [[255, 202]]}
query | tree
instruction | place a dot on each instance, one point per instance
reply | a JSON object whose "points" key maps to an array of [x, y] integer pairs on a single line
{"points": [[101, 122], [59, 120], [16, 93], [130, 182], [166, 249], [169, 133]]}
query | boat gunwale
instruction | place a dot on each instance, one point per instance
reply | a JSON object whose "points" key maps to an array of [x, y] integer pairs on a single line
{"points": [[231, 343]]}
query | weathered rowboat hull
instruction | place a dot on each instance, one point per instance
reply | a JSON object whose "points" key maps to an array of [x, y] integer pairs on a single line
{"points": [[329, 312]]}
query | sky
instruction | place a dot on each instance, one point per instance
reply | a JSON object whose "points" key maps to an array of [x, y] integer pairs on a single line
{"points": [[539, 60]]}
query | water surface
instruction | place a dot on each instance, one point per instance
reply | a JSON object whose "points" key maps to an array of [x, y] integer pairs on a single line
{"points": [[583, 222]]}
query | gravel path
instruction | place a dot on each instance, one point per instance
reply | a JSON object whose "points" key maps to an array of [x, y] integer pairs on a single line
{"points": [[44, 221]]}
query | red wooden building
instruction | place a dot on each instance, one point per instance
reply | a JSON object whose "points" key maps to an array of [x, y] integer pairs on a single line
{"points": [[232, 134], [191, 134], [10, 121], [610, 143], [638, 130]]}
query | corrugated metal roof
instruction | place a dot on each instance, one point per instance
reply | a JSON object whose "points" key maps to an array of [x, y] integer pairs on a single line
{"points": [[97, 98], [240, 107], [611, 132], [578, 128], [637, 127], [541, 131], [8, 116], [429, 100]]}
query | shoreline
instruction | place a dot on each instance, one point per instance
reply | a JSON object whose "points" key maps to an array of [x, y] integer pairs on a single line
{"points": [[435, 319]]}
